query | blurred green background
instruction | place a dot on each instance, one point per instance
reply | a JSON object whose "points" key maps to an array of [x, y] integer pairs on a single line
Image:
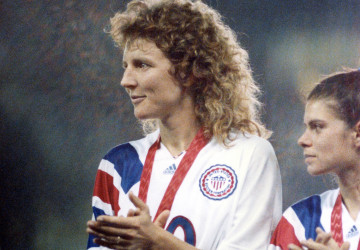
{"points": [[62, 108]]}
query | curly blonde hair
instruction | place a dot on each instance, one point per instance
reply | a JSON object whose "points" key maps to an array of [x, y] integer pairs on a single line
{"points": [[201, 48]]}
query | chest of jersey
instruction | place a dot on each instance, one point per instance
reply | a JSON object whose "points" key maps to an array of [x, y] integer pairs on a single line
{"points": [[206, 200]]}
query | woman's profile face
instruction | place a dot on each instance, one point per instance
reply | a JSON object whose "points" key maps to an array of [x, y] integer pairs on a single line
{"points": [[328, 142], [154, 93]]}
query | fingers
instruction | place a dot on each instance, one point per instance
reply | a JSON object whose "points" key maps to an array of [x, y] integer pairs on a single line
{"points": [[108, 236], [311, 244], [322, 237], [324, 241], [345, 246], [108, 231], [132, 212], [138, 202], [122, 232], [319, 230], [294, 247], [118, 221], [331, 245], [105, 243], [100, 229], [113, 243], [162, 218]]}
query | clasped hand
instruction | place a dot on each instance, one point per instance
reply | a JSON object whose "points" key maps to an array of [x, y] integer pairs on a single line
{"points": [[323, 241], [136, 231]]}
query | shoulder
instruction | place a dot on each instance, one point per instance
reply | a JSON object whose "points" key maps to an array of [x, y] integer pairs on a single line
{"points": [[132, 148], [254, 150], [305, 215], [307, 207], [314, 204], [251, 143], [253, 156], [298, 222], [124, 162]]}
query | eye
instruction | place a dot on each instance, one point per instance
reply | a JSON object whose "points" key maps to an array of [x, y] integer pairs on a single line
{"points": [[316, 126], [141, 65]]}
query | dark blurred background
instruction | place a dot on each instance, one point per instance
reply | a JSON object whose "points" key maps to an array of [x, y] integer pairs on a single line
{"points": [[62, 108]]}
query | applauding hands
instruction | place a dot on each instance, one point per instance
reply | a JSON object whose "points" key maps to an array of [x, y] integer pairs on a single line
{"points": [[323, 241], [136, 231]]}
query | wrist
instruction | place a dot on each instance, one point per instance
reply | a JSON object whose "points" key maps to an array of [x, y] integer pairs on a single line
{"points": [[158, 236], [163, 239]]}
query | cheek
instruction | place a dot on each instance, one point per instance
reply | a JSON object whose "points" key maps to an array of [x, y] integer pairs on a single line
{"points": [[327, 143], [326, 151], [331, 155], [171, 92]]}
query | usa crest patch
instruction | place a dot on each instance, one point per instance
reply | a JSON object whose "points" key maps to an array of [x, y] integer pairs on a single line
{"points": [[218, 182]]}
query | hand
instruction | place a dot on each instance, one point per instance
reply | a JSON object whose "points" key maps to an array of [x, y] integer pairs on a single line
{"points": [[323, 241], [294, 247], [136, 231]]}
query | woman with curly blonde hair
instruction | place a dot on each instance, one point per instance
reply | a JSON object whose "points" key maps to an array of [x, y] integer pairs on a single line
{"points": [[205, 171]]}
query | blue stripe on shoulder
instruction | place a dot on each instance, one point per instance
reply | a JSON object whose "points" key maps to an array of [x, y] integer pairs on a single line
{"points": [[127, 163], [309, 212]]}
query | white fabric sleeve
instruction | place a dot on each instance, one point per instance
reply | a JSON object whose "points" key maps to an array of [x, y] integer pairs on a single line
{"points": [[259, 207]]}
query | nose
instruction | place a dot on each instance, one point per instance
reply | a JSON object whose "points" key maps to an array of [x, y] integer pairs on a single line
{"points": [[128, 80], [304, 140]]}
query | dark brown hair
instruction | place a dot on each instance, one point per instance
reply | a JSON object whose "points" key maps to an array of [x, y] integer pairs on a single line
{"points": [[344, 89]]}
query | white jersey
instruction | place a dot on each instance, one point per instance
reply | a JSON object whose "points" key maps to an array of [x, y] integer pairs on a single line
{"points": [[230, 198], [301, 219]]}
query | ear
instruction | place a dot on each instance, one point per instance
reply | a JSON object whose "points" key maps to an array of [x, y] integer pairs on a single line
{"points": [[188, 80], [357, 134]]}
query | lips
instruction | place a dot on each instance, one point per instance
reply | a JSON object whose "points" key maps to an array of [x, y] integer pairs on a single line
{"points": [[309, 157], [136, 99]]}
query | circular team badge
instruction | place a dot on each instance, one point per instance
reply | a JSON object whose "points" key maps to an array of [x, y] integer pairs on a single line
{"points": [[218, 182]]}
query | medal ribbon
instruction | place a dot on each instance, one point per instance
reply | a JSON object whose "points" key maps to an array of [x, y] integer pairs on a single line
{"points": [[147, 169], [336, 222], [166, 203]]}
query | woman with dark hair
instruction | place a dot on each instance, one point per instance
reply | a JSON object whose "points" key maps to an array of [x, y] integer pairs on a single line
{"points": [[331, 144], [204, 176]]}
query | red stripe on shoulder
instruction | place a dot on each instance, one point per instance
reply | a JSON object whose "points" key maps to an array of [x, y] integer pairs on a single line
{"points": [[284, 235], [106, 191]]}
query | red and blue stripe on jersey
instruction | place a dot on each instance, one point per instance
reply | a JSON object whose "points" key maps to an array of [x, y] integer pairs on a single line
{"points": [[298, 222], [120, 169]]}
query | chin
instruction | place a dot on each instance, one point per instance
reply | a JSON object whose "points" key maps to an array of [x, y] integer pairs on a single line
{"points": [[140, 115], [146, 115], [141, 118], [315, 171]]}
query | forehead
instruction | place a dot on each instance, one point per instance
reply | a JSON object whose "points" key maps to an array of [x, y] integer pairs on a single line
{"points": [[321, 109], [143, 47]]}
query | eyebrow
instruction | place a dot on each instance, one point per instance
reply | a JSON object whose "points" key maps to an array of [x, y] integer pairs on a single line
{"points": [[311, 122], [139, 59]]}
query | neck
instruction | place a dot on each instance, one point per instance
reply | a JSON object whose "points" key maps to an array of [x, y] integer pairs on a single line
{"points": [[177, 130], [178, 138], [349, 184]]}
